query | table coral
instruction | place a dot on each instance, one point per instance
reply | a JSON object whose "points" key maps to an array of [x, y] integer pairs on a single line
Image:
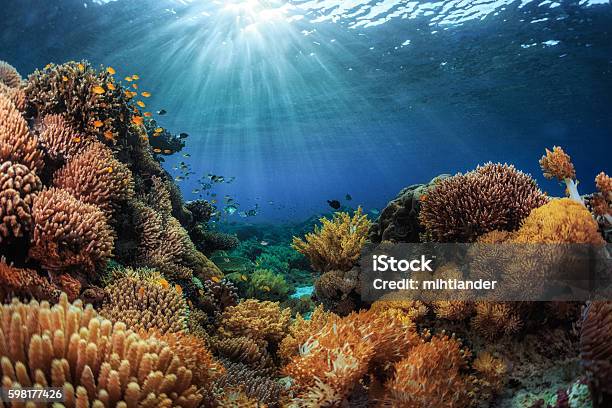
{"points": [[18, 189], [145, 305], [69, 234], [95, 362], [337, 243], [96, 177], [492, 197], [16, 142]]}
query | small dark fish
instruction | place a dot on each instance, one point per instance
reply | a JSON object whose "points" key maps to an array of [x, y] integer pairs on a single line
{"points": [[183, 135], [335, 204], [161, 112], [348, 197]]}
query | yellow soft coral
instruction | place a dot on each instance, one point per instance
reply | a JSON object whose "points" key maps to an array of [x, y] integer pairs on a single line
{"points": [[256, 319], [337, 243]]}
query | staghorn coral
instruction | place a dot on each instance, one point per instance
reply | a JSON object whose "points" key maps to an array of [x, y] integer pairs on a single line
{"points": [[145, 305], [337, 243], [25, 283], [259, 320], [96, 177], [19, 187], [59, 139], [560, 221], [97, 364], [596, 349], [69, 234], [68, 89], [430, 376], [492, 197], [17, 144], [9, 75]]}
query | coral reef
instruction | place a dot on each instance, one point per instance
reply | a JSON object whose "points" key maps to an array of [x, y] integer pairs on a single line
{"points": [[25, 283], [19, 187], [9, 75], [337, 243], [145, 305], [255, 319], [97, 364], [59, 140], [399, 220], [260, 388], [339, 291], [69, 234], [209, 241], [266, 285], [492, 197]]}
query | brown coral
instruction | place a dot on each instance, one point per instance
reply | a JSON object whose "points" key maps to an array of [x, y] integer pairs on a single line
{"points": [[69, 234], [465, 206], [145, 305], [15, 95], [59, 139], [602, 200], [25, 283], [97, 364], [244, 350], [338, 291], [557, 164], [17, 144], [337, 243], [9, 75], [18, 189], [257, 320], [260, 388], [494, 319], [430, 376], [596, 347], [96, 177]]}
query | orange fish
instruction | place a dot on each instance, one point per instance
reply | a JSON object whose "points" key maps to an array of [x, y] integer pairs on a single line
{"points": [[98, 90], [111, 86], [167, 151], [215, 279], [129, 79], [144, 137], [98, 123], [244, 278], [140, 103], [65, 78], [141, 291], [135, 86], [81, 67], [109, 169], [159, 130], [48, 66], [146, 94], [147, 114], [77, 140], [110, 70], [137, 120], [179, 289], [135, 77], [156, 150], [108, 135], [163, 283]]}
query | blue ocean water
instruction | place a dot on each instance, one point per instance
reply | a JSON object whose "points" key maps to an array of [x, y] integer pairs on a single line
{"points": [[307, 101]]}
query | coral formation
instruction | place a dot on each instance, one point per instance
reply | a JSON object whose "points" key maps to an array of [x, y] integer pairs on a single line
{"points": [[255, 319], [266, 285], [492, 197], [96, 177], [596, 350], [69, 234], [558, 164], [58, 138], [339, 291], [19, 187], [9, 75], [337, 243], [25, 283], [95, 362], [145, 305]]}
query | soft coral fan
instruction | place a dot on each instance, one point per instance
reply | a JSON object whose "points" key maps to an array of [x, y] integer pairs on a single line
{"points": [[337, 243], [558, 164]]}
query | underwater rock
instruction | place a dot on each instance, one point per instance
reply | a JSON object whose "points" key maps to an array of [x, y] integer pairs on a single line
{"points": [[399, 220]]}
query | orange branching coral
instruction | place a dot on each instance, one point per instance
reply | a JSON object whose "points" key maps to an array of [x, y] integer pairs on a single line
{"points": [[557, 164], [411, 310], [494, 319], [596, 347], [15, 95], [604, 184], [430, 376], [337, 243], [602, 200], [145, 305], [96, 177], [25, 283], [69, 233], [18, 189], [17, 144], [257, 320], [560, 221], [300, 330], [465, 206], [9, 75], [194, 354], [97, 364], [59, 139]]}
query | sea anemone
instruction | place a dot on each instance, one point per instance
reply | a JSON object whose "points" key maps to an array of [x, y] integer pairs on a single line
{"points": [[18, 189], [69, 234], [337, 243], [97, 364], [96, 177], [494, 196]]}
